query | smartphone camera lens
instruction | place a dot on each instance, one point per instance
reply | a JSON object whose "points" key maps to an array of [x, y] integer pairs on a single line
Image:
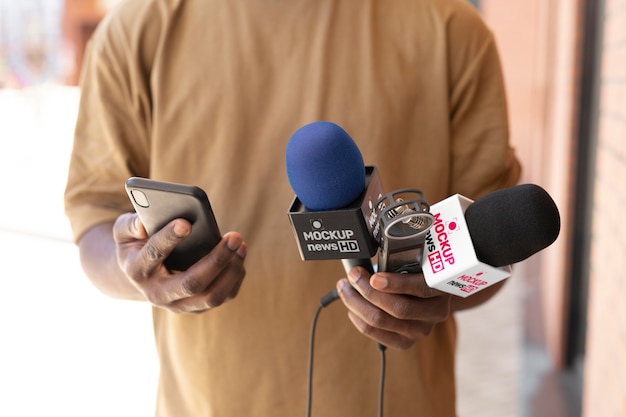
{"points": [[140, 198]]}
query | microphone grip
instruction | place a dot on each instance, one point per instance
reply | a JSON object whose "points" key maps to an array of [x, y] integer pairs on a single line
{"points": [[348, 264]]}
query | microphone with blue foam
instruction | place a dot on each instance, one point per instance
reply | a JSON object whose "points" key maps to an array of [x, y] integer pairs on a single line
{"points": [[336, 211]]}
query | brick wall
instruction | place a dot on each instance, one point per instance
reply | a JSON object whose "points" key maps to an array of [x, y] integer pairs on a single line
{"points": [[605, 362]]}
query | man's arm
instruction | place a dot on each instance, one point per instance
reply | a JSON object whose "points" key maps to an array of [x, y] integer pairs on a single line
{"points": [[99, 261]]}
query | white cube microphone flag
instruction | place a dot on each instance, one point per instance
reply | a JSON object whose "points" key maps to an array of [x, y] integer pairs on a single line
{"points": [[449, 261]]}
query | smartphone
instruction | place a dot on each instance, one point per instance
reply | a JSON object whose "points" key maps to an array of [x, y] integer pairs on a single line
{"points": [[157, 203]]}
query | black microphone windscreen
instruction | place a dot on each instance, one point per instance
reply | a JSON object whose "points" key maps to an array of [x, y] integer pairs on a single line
{"points": [[509, 225]]}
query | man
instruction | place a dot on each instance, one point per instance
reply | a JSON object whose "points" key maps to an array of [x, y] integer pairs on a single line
{"points": [[208, 93]]}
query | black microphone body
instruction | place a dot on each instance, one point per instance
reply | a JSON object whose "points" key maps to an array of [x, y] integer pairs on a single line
{"points": [[333, 213], [345, 233]]}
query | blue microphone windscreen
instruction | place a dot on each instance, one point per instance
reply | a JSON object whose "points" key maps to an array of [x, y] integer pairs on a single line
{"points": [[324, 166]]}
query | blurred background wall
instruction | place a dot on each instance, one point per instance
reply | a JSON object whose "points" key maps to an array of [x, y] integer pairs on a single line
{"points": [[566, 71]]}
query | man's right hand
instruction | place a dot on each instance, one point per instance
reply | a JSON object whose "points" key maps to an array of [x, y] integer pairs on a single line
{"points": [[213, 280]]}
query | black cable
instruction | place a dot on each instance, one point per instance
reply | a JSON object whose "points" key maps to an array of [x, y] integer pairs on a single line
{"points": [[383, 369], [309, 394], [324, 302]]}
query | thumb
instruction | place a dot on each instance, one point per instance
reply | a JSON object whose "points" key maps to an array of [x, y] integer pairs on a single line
{"points": [[138, 227], [128, 226]]}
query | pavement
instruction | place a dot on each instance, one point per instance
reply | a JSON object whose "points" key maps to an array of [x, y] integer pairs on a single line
{"points": [[68, 350]]}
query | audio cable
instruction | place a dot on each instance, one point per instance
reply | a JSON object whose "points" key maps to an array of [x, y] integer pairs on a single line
{"points": [[324, 302]]}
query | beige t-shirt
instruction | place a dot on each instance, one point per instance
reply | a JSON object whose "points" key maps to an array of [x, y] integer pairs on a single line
{"points": [[209, 92]]}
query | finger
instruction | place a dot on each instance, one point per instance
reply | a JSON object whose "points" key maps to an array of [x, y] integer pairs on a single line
{"points": [[351, 297], [223, 289], [162, 243], [226, 258], [235, 242], [359, 277], [384, 337], [410, 284], [130, 236], [401, 305], [376, 323], [371, 315], [128, 227]]}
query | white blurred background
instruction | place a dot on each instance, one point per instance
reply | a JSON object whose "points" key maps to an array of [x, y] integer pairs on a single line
{"points": [[65, 349]]}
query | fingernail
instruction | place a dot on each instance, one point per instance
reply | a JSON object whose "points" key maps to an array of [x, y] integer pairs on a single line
{"points": [[342, 286], [180, 230], [135, 224], [234, 242], [242, 251], [354, 275], [378, 282]]}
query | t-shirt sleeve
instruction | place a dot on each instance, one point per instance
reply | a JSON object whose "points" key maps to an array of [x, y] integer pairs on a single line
{"points": [[111, 139], [482, 158]]}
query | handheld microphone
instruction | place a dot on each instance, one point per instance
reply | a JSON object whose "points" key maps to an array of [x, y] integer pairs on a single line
{"points": [[472, 244], [333, 213]]}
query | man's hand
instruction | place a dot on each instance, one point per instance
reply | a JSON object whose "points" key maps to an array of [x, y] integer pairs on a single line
{"points": [[210, 282], [393, 309]]}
